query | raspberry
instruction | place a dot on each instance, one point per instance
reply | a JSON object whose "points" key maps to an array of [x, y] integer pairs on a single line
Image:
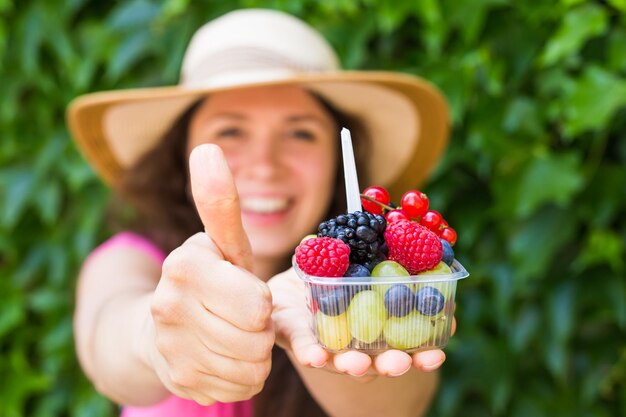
{"points": [[413, 246], [323, 257]]}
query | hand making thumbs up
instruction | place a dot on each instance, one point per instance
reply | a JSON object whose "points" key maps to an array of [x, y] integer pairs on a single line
{"points": [[212, 317]]}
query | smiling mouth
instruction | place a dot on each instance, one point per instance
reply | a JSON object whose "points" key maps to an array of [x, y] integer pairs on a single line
{"points": [[264, 205]]}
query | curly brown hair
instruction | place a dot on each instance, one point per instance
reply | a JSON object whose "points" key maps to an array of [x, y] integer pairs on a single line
{"points": [[156, 187]]}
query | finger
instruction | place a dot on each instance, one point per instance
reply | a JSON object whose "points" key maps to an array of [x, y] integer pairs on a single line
{"points": [[227, 340], [429, 360], [393, 363], [293, 333], [233, 370], [226, 391], [240, 298], [189, 370], [220, 288], [217, 202], [306, 349], [352, 363], [453, 329], [291, 320], [205, 389]]}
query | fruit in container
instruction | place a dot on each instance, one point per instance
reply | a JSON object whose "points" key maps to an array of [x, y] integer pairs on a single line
{"points": [[333, 331], [408, 332], [366, 316]]}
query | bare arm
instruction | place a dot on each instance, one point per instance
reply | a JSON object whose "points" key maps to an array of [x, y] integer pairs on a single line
{"points": [[112, 319], [143, 330]]}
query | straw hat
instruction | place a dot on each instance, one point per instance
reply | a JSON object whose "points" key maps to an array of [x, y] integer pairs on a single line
{"points": [[406, 117]]}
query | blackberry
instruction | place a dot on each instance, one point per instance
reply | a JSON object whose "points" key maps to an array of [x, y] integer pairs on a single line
{"points": [[364, 232]]}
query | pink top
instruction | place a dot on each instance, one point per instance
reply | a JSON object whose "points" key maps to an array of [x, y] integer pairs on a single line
{"points": [[172, 406]]}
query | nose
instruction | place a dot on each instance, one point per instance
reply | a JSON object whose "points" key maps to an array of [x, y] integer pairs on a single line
{"points": [[264, 156]]}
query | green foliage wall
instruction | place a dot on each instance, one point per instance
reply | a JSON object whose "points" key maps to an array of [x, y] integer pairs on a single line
{"points": [[534, 180]]}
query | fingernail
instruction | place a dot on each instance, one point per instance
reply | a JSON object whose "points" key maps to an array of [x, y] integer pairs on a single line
{"points": [[431, 367], [400, 373]]}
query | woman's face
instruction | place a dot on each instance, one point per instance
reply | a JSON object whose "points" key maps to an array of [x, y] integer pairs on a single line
{"points": [[280, 144]]}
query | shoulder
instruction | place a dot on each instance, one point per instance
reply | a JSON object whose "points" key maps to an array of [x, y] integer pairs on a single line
{"points": [[126, 250], [131, 243]]}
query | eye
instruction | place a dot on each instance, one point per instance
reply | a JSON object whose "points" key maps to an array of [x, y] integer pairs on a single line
{"points": [[304, 134], [228, 132]]}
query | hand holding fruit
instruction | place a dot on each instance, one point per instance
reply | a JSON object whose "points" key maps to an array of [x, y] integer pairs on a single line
{"points": [[294, 334], [207, 348], [363, 272]]}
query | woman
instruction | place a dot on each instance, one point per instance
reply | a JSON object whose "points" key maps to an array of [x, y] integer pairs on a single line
{"points": [[205, 314]]}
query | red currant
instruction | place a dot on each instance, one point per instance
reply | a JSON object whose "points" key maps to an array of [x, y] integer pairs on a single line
{"points": [[442, 226], [377, 193], [449, 234], [395, 215], [432, 220], [414, 203]]}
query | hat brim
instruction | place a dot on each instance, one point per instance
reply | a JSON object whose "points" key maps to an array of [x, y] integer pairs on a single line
{"points": [[406, 117]]}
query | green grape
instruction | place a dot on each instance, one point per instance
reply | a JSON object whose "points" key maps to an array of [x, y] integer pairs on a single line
{"points": [[408, 332], [367, 316], [307, 237], [383, 271], [441, 268], [333, 331]]}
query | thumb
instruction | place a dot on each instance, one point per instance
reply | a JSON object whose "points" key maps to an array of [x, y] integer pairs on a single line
{"points": [[217, 202]]}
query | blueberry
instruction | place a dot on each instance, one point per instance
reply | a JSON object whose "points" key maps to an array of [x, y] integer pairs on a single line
{"points": [[448, 253], [399, 300], [430, 301], [357, 270], [332, 301]]}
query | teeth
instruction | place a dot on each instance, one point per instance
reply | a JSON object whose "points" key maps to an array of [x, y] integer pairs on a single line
{"points": [[264, 205]]}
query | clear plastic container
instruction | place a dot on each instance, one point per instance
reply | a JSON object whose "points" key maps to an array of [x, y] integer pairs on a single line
{"points": [[375, 314]]}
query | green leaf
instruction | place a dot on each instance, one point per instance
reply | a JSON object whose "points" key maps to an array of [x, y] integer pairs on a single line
{"points": [[11, 312], [48, 201], [561, 311], [6, 5], [522, 116], [548, 179], [131, 50], [577, 27], [602, 247], [535, 242], [618, 4], [18, 183], [173, 8], [469, 17], [524, 328], [617, 50], [617, 296], [33, 33], [560, 325], [593, 101], [132, 14]]}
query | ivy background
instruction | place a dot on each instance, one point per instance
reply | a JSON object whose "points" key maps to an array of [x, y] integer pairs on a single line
{"points": [[534, 181]]}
